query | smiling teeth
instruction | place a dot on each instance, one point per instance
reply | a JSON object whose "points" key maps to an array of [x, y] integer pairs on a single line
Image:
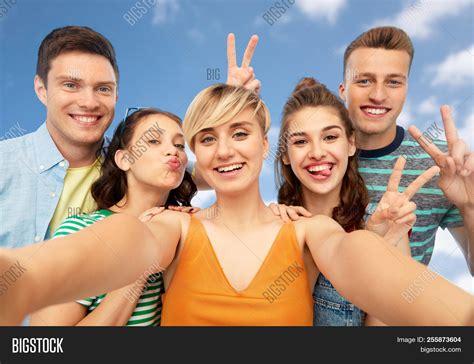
{"points": [[85, 119], [320, 168], [229, 168], [375, 111]]}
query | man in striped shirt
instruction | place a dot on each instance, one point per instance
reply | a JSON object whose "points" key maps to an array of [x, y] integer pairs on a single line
{"points": [[376, 68]]}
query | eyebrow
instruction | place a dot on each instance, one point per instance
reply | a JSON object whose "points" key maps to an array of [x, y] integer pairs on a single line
{"points": [[302, 133], [77, 79], [390, 75], [232, 126], [297, 133], [239, 124], [154, 132]]}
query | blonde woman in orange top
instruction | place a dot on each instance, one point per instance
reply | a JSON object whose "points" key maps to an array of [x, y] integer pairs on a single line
{"points": [[235, 263]]}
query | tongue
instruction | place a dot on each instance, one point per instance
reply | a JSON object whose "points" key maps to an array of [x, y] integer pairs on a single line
{"points": [[326, 172]]}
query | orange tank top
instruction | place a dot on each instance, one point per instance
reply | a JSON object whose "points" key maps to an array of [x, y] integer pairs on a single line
{"points": [[200, 294]]}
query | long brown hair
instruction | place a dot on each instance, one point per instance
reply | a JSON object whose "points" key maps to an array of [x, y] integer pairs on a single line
{"points": [[111, 186], [353, 197]]}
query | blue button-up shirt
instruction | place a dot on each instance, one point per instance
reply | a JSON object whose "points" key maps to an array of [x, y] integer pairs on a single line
{"points": [[32, 172]]}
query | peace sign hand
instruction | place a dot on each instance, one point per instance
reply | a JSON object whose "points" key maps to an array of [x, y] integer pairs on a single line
{"points": [[457, 165], [395, 213], [243, 75]]}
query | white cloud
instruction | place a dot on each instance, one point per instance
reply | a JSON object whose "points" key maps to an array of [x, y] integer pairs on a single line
{"points": [[203, 199], [268, 202], [419, 18], [321, 9], [429, 106], [467, 131], [190, 154], [465, 282], [406, 117], [457, 69], [448, 261], [164, 11]]}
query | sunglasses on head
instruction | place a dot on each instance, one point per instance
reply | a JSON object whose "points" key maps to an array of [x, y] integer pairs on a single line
{"points": [[128, 112]]}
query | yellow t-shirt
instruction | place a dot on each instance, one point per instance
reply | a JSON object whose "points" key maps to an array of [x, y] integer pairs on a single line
{"points": [[76, 197]]}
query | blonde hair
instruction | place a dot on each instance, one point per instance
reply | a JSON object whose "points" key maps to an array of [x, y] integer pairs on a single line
{"points": [[217, 105]]}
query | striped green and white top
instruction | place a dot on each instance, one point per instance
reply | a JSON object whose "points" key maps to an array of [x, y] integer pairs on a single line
{"points": [[148, 309], [433, 209]]}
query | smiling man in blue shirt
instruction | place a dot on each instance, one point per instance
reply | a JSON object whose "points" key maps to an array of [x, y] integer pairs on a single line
{"points": [[47, 174]]}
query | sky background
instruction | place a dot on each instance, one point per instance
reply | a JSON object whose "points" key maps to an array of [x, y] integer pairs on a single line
{"points": [[164, 56]]}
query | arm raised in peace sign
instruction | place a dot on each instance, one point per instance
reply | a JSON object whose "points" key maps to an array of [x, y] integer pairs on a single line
{"points": [[456, 179], [395, 213], [457, 165]]}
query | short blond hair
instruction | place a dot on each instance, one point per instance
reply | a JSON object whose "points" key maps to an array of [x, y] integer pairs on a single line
{"points": [[217, 105]]}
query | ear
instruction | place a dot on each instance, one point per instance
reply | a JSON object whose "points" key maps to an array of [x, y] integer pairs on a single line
{"points": [[40, 90], [122, 159], [342, 91], [352, 145], [285, 159], [266, 147]]}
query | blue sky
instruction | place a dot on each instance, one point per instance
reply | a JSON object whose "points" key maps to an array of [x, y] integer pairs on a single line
{"points": [[164, 56]]}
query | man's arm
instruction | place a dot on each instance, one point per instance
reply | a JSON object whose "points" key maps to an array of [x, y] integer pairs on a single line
{"points": [[464, 236], [243, 75], [456, 178]]}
